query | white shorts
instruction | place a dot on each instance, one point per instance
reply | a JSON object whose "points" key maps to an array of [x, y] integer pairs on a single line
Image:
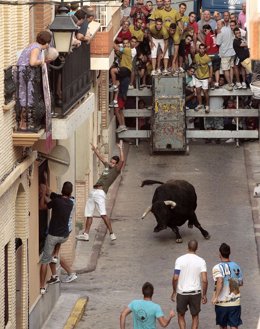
{"points": [[158, 42], [204, 84], [97, 198]]}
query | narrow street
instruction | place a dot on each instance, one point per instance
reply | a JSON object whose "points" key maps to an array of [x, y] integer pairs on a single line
{"points": [[219, 175]]}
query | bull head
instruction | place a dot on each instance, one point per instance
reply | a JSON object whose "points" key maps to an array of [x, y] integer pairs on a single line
{"points": [[167, 203]]}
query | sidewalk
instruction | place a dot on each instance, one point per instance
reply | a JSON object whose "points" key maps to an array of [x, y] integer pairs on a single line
{"points": [[70, 306]]}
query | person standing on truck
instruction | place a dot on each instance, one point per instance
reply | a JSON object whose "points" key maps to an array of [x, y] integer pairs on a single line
{"points": [[227, 53], [242, 17], [206, 20]]}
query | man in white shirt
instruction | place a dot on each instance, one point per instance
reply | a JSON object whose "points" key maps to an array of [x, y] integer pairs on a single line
{"points": [[189, 272]]}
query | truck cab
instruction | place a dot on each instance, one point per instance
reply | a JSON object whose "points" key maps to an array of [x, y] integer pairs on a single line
{"points": [[233, 6]]}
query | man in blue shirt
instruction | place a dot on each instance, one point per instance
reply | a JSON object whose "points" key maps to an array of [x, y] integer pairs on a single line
{"points": [[145, 312]]}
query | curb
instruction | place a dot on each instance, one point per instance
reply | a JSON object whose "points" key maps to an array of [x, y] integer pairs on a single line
{"points": [[76, 313], [102, 230], [251, 154]]}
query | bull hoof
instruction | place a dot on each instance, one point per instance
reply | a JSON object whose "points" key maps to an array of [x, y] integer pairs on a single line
{"points": [[178, 240], [207, 237], [190, 226]]}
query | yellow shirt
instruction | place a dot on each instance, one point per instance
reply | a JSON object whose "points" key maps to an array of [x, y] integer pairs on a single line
{"points": [[126, 60], [202, 62], [156, 13], [169, 17], [139, 34], [161, 34]]}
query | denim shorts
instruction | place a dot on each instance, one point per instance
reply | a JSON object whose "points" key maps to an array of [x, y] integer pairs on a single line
{"points": [[228, 316], [49, 246]]}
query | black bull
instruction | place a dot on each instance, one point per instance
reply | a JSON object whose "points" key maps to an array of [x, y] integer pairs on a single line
{"points": [[174, 203]]}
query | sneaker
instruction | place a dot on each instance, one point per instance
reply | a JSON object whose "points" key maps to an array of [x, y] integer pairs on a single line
{"points": [[244, 86], [216, 85], [212, 87], [230, 140], [176, 73], [143, 86], [153, 72], [114, 103], [112, 237], [43, 291], [198, 108], [53, 280], [131, 87], [229, 87], [83, 237], [54, 260], [238, 85], [159, 71], [207, 109], [120, 129], [69, 278], [181, 70], [115, 88], [165, 72]]}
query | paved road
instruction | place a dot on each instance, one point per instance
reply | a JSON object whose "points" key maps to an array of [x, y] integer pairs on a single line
{"points": [[218, 172]]}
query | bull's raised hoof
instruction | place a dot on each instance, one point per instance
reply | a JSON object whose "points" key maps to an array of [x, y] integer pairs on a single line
{"points": [[178, 240], [159, 228], [207, 236]]}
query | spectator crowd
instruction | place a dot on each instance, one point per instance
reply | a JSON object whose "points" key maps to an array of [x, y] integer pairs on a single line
{"points": [[157, 39]]}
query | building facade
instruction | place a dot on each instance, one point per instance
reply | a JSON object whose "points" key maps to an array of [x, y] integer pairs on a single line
{"points": [[25, 155]]}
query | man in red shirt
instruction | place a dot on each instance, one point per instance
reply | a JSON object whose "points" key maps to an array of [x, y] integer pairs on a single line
{"points": [[125, 33]]}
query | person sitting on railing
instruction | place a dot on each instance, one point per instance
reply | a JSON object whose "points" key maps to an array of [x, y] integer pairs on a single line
{"points": [[125, 11], [139, 10], [83, 33], [74, 6], [31, 56], [125, 33], [136, 30]]}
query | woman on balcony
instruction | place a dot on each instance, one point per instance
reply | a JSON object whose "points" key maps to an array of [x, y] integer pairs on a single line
{"points": [[30, 58]]}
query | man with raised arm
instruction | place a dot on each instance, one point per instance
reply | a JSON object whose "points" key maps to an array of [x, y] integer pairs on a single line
{"points": [[97, 197]]}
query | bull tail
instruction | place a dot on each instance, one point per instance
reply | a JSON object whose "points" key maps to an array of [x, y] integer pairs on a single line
{"points": [[150, 182]]}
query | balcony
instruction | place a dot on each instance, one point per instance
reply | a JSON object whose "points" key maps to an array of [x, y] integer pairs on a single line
{"points": [[70, 83], [101, 47], [68, 99]]}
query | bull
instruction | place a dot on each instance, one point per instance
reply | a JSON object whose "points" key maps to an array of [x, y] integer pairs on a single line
{"points": [[174, 203]]}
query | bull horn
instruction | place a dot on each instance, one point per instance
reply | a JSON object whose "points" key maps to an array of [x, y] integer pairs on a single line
{"points": [[146, 211], [170, 203]]}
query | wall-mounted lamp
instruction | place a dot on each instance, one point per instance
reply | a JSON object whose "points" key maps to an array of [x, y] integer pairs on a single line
{"points": [[63, 28]]}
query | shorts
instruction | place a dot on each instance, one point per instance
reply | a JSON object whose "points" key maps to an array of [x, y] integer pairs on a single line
{"points": [[216, 61], [121, 103], [123, 87], [193, 301], [159, 43], [204, 83], [49, 246], [227, 63], [228, 316], [97, 198], [247, 65], [123, 72]]}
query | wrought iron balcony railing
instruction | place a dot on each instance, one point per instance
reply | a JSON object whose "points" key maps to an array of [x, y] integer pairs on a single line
{"points": [[29, 107], [70, 83]]}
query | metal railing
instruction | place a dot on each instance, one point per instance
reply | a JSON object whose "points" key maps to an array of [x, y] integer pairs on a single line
{"points": [[29, 107], [70, 83]]}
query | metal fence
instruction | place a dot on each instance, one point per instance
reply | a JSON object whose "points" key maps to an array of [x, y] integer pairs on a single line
{"points": [[73, 80], [29, 106]]}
